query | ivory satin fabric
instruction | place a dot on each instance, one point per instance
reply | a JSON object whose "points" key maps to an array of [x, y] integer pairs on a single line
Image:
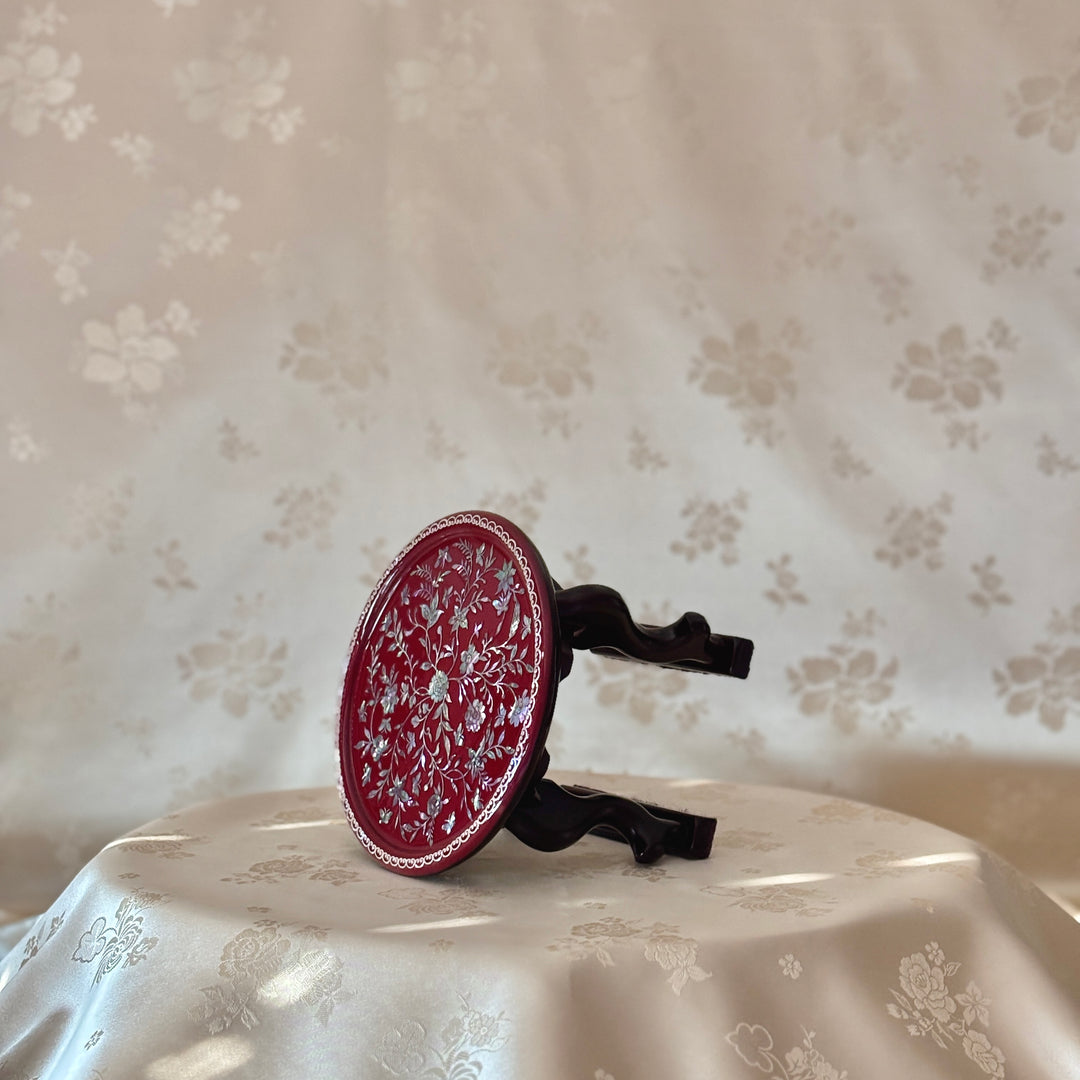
{"points": [[823, 939], [761, 308]]}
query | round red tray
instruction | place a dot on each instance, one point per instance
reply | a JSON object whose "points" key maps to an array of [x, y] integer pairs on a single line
{"points": [[448, 693]]}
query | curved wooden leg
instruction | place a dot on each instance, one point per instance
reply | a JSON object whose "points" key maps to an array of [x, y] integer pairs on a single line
{"points": [[552, 817]]}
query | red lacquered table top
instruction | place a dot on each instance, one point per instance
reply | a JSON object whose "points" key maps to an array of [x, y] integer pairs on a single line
{"points": [[448, 693]]}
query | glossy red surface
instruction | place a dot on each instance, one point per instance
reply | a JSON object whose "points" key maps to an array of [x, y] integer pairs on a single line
{"points": [[448, 693]]}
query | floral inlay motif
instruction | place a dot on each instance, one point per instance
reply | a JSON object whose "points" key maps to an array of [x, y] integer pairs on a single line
{"points": [[1047, 679], [752, 372], [407, 1049], [450, 678], [37, 82], [123, 941], [931, 1008], [954, 377], [242, 87], [260, 964], [662, 944], [754, 1044]]}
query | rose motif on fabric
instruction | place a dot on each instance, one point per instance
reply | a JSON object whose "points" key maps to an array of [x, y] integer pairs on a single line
{"points": [[253, 956], [925, 985]]}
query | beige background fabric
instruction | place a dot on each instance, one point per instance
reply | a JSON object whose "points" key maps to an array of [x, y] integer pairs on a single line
{"points": [[762, 308]]}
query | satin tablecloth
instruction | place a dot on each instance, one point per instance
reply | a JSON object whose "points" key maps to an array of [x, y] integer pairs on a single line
{"points": [[823, 939]]}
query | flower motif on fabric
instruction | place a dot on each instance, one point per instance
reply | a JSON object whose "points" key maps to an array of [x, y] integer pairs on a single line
{"points": [[289, 867], [1019, 240], [343, 356], [123, 941], [197, 228], [991, 590], [241, 667], [1048, 105], [260, 965], [138, 150], [307, 513], [784, 590], [37, 82], [814, 241], [791, 967], [661, 944], [916, 534], [802, 900], [930, 1007], [1051, 461], [1046, 680], [545, 366], [24, 446], [448, 89], [12, 203], [522, 505], [68, 264], [242, 86], [754, 1044], [848, 682], [40, 936], [133, 356], [753, 373], [97, 513], [869, 111], [457, 902], [955, 378], [450, 683], [712, 526], [406, 1048]]}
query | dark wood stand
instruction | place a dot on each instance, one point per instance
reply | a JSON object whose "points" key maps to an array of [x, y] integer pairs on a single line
{"points": [[549, 816]]}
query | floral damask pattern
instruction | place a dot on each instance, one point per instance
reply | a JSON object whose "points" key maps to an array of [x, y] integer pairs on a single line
{"points": [[754, 1044], [125, 941], [343, 356], [1048, 105], [197, 228], [954, 378], [134, 356], [262, 965], [545, 366], [846, 684], [754, 374], [930, 1007], [242, 86], [916, 534], [1047, 679], [240, 667], [459, 1054], [662, 944], [37, 82]]}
